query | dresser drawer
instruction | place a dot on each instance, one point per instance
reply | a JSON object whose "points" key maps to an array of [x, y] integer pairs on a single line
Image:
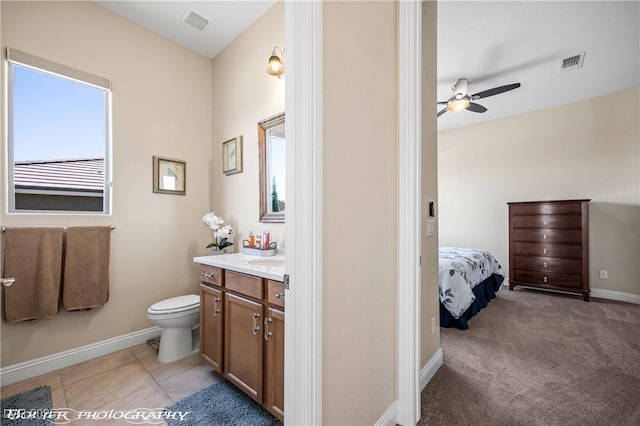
{"points": [[572, 251], [552, 264], [548, 235], [549, 279], [546, 208], [211, 275], [570, 221], [244, 284], [275, 293]]}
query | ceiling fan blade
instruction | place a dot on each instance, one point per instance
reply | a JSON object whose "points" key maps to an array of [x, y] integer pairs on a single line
{"points": [[443, 102], [476, 107], [495, 91], [442, 111]]}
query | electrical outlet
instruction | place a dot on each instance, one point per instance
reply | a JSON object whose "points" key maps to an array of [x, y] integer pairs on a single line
{"points": [[604, 274], [433, 325]]}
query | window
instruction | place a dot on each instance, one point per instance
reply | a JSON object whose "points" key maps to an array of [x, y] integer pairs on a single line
{"points": [[59, 140]]}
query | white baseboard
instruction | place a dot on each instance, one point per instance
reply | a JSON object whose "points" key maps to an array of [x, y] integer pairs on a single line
{"points": [[427, 372], [615, 295], [46, 364], [389, 416]]}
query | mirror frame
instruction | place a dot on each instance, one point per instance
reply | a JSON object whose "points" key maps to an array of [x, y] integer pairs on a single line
{"points": [[263, 127]]}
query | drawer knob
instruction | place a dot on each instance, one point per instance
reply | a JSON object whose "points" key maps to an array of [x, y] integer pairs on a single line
{"points": [[280, 295], [544, 279], [544, 251], [208, 275], [545, 264], [544, 223], [544, 236]]}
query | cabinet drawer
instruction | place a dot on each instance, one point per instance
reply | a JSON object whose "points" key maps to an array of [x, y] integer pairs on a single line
{"points": [[211, 275], [571, 221], [547, 278], [244, 284], [572, 251], [548, 235], [275, 293], [546, 208], [554, 264]]}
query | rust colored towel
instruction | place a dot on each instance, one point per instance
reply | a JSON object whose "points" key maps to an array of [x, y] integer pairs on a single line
{"points": [[86, 267], [33, 256]]}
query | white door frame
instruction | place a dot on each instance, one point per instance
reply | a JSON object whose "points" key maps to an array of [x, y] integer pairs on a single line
{"points": [[303, 302], [303, 227], [409, 210]]}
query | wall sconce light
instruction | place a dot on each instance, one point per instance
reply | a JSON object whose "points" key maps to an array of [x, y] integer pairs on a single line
{"points": [[276, 63]]}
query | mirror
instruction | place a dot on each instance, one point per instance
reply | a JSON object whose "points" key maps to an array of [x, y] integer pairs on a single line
{"points": [[271, 145]]}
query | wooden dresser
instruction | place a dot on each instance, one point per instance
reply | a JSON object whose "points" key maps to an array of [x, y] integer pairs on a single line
{"points": [[549, 245]]}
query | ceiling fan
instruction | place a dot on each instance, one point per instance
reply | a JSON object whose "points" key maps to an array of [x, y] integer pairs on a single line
{"points": [[461, 100]]}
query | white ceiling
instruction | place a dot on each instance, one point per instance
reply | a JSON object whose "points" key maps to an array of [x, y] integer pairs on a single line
{"points": [[498, 43], [228, 20], [490, 43]]}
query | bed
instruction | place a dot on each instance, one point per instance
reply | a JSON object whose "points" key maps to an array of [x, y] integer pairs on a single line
{"points": [[469, 279]]}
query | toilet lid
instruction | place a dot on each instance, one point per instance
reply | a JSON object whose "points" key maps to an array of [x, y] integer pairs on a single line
{"points": [[176, 304]]}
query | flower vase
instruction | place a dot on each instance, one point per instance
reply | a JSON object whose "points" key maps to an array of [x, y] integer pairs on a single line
{"points": [[215, 251]]}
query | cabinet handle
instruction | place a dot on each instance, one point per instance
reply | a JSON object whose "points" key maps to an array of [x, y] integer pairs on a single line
{"points": [[545, 264], [256, 326], [544, 279], [280, 295], [544, 223], [544, 236], [267, 333], [216, 307], [544, 251], [208, 275], [544, 210]]}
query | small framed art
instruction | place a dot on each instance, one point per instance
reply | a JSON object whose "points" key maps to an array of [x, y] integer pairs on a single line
{"points": [[169, 176], [232, 156]]}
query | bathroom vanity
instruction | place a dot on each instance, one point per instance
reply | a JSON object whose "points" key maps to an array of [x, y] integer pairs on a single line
{"points": [[242, 324]]}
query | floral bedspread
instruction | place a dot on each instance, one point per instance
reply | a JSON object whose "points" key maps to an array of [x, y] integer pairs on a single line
{"points": [[461, 269]]}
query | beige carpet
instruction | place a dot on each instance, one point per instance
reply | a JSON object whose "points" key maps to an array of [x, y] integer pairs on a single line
{"points": [[538, 358]]}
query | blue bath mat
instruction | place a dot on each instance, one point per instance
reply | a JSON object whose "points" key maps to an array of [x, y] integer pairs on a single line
{"points": [[219, 404], [17, 409]]}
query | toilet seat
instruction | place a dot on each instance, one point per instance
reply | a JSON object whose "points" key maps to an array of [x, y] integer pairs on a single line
{"points": [[189, 302]]}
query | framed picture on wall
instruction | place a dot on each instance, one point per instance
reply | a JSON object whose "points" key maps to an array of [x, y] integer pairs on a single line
{"points": [[169, 176], [232, 156]]}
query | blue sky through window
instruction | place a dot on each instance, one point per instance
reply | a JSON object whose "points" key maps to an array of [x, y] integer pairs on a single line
{"points": [[56, 118]]}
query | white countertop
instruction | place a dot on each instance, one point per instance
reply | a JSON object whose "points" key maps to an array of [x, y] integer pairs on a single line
{"points": [[270, 267]]}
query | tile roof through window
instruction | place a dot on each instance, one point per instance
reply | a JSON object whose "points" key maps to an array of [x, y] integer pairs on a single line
{"points": [[84, 174]]}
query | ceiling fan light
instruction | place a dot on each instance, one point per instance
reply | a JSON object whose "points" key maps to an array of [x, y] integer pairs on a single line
{"points": [[457, 105]]}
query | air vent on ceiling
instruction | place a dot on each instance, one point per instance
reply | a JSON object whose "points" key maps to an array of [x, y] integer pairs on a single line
{"points": [[572, 63], [196, 20]]}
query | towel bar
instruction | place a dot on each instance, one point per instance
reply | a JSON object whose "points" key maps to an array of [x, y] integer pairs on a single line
{"points": [[7, 282], [4, 228]]}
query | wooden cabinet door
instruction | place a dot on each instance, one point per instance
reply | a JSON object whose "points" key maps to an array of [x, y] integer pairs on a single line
{"points": [[211, 326], [243, 344], [274, 362]]}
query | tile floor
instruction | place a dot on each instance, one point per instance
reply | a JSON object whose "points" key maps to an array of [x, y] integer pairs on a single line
{"points": [[124, 380]]}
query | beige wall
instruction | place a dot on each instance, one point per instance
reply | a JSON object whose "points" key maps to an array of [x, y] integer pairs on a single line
{"points": [[161, 106], [588, 149], [243, 94], [430, 306], [359, 214]]}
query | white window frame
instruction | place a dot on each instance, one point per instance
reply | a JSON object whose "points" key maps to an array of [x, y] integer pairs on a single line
{"points": [[26, 60]]}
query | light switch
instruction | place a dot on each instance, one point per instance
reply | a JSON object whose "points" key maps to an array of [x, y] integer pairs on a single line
{"points": [[431, 227]]}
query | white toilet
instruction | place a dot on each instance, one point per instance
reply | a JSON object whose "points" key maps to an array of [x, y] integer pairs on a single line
{"points": [[177, 317]]}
